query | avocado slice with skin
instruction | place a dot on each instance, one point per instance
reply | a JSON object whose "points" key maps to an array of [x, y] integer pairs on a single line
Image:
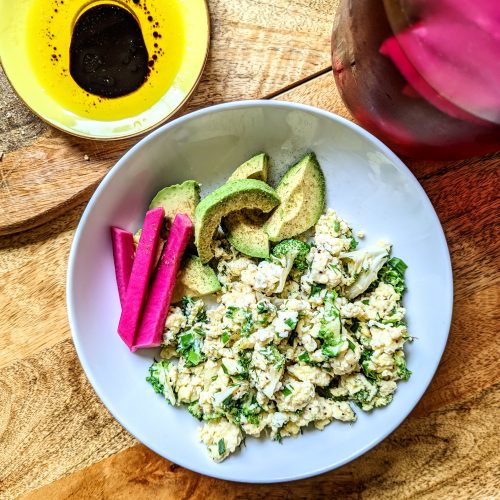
{"points": [[244, 229], [254, 168], [178, 199], [230, 197], [195, 279], [302, 192]]}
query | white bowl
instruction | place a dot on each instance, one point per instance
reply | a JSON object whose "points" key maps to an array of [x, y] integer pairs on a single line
{"points": [[367, 184]]}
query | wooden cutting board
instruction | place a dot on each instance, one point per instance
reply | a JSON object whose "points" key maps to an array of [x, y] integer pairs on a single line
{"points": [[44, 172], [58, 441]]}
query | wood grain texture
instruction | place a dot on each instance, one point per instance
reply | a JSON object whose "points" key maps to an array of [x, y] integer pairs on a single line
{"points": [[51, 421], [258, 47], [32, 288], [55, 435], [435, 456], [320, 92]]}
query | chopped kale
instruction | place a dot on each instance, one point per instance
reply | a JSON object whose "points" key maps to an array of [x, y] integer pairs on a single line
{"points": [[354, 325], [365, 361], [272, 354], [292, 337], [189, 305], [195, 409], [246, 327], [221, 445], [244, 362], [160, 380], [304, 357], [231, 311], [186, 304], [331, 328], [403, 372], [316, 289], [245, 409], [263, 307], [189, 346], [393, 273]]}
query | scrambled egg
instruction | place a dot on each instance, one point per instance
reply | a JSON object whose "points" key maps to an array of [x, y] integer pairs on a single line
{"points": [[285, 348]]}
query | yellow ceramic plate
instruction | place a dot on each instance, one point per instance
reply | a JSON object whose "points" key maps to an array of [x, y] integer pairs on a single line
{"points": [[35, 37]]}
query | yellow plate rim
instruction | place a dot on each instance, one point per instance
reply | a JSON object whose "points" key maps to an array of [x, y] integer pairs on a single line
{"points": [[117, 137]]}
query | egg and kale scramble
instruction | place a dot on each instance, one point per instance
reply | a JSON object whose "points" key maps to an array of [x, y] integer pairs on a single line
{"points": [[298, 338]]}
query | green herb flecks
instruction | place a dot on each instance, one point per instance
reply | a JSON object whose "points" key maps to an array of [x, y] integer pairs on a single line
{"points": [[304, 357], [195, 409], [221, 445], [331, 328], [247, 325], [263, 307], [242, 410], [189, 346], [231, 311], [354, 325], [225, 337], [244, 362], [193, 310], [161, 381], [393, 273], [316, 290], [365, 362], [326, 393], [403, 372], [272, 354]]}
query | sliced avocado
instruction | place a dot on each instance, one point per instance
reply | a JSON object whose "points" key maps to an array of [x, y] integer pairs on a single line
{"points": [[302, 193], [244, 229], [178, 199], [246, 234], [195, 279], [230, 197], [255, 168]]}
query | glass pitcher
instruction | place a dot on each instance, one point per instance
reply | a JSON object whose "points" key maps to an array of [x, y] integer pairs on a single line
{"points": [[422, 75]]}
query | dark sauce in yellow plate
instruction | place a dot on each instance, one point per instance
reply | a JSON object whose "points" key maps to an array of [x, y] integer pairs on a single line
{"points": [[108, 55], [79, 51], [104, 68]]}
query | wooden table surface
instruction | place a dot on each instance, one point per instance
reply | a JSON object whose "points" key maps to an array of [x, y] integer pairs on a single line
{"points": [[57, 440]]}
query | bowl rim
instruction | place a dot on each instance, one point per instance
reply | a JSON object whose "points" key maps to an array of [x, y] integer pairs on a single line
{"points": [[447, 317]]}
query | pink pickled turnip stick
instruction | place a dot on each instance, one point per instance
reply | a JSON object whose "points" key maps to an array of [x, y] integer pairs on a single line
{"points": [[158, 303], [139, 277], [123, 256]]}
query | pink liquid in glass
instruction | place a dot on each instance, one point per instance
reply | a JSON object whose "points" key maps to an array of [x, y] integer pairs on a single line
{"points": [[422, 75]]}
